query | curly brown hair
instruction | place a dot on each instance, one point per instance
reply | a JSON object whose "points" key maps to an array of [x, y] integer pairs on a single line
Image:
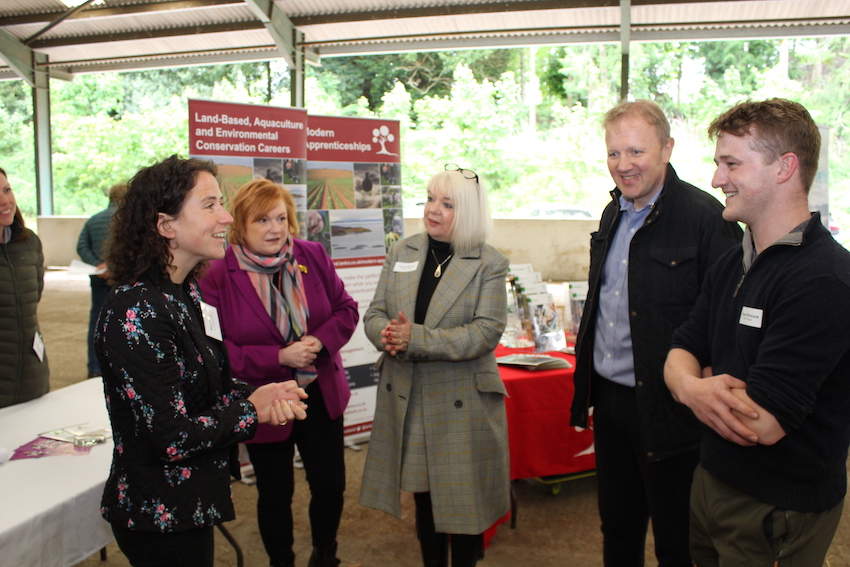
{"points": [[19, 217], [135, 245]]}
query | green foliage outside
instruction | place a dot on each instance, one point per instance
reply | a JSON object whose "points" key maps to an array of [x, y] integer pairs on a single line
{"points": [[526, 120]]}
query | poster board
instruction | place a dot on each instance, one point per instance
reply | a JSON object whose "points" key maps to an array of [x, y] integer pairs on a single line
{"points": [[354, 182], [248, 141]]}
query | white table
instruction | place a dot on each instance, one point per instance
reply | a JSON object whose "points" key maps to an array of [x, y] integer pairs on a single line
{"points": [[50, 507]]}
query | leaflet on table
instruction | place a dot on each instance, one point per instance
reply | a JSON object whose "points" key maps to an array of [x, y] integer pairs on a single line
{"points": [[80, 434], [43, 447], [522, 272], [534, 361], [518, 329], [78, 267], [577, 297], [547, 329]]}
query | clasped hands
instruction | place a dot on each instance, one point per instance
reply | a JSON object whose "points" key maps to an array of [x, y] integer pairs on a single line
{"points": [[301, 353], [279, 402], [396, 335], [721, 402]]}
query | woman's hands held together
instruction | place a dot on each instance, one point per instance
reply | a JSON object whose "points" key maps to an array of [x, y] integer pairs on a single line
{"points": [[301, 353], [279, 402], [396, 336]]}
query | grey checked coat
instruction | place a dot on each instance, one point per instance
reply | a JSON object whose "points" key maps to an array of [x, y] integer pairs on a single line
{"points": [[451, 359]]}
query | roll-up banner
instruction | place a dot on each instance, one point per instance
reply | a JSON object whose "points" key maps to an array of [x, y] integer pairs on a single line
{"points": [[354, 182]]}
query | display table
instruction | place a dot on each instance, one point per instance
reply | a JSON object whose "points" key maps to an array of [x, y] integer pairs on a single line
{"points": [[542, 441], [51, 505]]}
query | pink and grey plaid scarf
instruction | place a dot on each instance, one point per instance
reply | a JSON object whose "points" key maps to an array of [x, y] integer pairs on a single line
{"points": [[286, 304]]}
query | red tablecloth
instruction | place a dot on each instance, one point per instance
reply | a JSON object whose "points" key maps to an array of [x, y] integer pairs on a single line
{"points": [[542, 441]]}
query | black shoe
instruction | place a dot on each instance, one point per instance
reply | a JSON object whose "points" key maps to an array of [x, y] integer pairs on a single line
{"points": [[324, 556]]}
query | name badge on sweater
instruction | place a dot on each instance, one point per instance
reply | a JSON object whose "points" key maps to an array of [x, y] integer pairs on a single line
{"points": [[405, 266], [212, 327], [751, 317]]}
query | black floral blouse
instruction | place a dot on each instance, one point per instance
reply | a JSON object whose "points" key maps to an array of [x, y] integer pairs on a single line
{"points": [[176, 412]]}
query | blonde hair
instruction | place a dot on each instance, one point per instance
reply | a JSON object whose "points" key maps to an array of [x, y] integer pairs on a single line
{"points": [[253, 201], [645, 109], [471, 226]]}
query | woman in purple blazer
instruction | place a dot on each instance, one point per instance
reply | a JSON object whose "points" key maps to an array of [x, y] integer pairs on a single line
{"points": [[285, 314]]}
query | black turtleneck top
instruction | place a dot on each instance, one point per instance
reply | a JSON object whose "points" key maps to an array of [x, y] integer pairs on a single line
{"points": [[428, 283]]}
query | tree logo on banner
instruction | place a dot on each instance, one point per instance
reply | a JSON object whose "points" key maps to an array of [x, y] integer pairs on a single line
{"points": [[382, 135]]}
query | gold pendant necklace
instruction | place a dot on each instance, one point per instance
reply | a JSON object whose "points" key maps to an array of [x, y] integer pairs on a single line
{"points": [[439, 271]]}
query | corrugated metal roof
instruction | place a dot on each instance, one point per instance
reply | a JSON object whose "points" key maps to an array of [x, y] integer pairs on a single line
{"points": [[127, 34]]}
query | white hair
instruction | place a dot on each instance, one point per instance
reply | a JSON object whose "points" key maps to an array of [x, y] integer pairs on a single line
{"points": [[471, 226]]}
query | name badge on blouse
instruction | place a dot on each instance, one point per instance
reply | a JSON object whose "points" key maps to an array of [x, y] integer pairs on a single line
{"points": [[38, 347], [405, 266], [211, 324], [751, 317]]}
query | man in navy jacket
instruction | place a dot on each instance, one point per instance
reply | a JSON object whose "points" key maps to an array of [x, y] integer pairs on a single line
{"points": [[655, 243]]}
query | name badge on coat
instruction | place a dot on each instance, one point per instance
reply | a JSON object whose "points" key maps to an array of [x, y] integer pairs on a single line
{"points": [[212, 326], [406, 266]]}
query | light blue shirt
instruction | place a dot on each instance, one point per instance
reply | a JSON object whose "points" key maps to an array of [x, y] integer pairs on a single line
{"points": [[612, 343]]}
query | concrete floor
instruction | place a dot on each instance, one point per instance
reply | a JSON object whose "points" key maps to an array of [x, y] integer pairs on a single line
{"points": [[552, 530]]}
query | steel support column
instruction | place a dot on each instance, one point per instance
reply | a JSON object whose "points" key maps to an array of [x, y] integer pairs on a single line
{"points": [[43, 146], [296, 72], [625, 40]]}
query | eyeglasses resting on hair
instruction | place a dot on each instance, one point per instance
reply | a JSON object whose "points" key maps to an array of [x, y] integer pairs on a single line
{"points": [[467, 173]]}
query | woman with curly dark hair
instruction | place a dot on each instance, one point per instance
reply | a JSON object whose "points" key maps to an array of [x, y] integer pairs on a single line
{"points": [[286, 314], [24, 374], [177, 413]]}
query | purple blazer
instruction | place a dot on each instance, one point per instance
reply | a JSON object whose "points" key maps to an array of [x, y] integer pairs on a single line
{"points": [[253, 340]]}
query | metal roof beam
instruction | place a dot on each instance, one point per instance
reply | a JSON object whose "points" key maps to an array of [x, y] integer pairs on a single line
{"points": [[721, 34], [112, 11], [19, 57], [602, 35], [282, 30], [164, 61], [469, 9], [145, 34]]}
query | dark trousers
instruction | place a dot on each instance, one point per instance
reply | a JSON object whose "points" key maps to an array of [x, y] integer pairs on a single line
{"points": [[99, 291], [320, 443], [466, 550], [191, 548], [631, 490]]}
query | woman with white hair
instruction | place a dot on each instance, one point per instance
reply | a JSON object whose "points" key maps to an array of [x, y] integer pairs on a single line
{"points": [[440, 430]]}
